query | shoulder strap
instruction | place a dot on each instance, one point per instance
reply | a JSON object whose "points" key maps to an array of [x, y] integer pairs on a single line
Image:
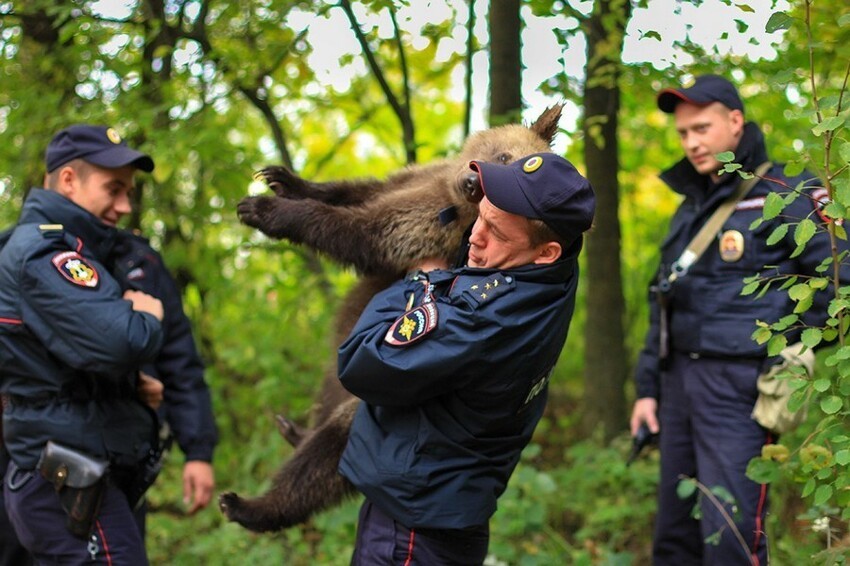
{"points": [[700, 242]]}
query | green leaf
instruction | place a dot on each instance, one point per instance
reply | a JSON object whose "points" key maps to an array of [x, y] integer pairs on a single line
{"points": [[750, 288], [831, 405], [778, 233], [778, 21], [828, 125], [844, 151], [763, 471], [808, 488], [776, 344], [762, 335], [794, 168], [686, 488], [835, 210], [844, 20], [800, 292], [811, 337], [821, 385], [804, 231], [725, 157], [822, 494], [773, 205], [842, 457]]}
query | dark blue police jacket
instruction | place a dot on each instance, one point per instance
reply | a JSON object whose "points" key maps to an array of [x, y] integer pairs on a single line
{"points": [[453, 385], [708, 314], [70, 345], [186, 405]]}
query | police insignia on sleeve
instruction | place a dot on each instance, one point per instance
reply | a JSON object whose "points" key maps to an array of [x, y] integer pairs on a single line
{"points": [[76, 269], [731, 246], [412, 325], [487, 289]]}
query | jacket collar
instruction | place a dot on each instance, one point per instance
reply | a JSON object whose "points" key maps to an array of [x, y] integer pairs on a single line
{"points": [[684, 179], [49, 207]]}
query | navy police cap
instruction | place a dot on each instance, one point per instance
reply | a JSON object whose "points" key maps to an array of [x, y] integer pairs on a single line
{"points": [[542, 186], [705, 90], [98, 145]]}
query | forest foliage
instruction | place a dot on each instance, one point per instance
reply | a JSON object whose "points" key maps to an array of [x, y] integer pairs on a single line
{"points": [[215, 90]]}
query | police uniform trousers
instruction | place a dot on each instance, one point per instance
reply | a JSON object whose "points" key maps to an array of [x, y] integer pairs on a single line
{"points": [[707, 434], [382, 541], [35, 512], [11, 551]]}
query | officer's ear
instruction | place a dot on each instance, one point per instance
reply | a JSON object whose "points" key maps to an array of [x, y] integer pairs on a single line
{"points": [[64, 181], [548, 253]]}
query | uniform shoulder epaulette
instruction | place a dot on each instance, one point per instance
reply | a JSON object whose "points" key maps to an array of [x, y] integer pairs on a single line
{"points": [[51, 230], [489, 288]]}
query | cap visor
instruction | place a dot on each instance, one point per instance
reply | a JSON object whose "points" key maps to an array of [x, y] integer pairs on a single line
{"points": [[120, 156], [670, 97]]}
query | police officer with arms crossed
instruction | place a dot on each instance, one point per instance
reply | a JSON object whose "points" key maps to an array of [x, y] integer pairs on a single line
{"points": [[453, 366], [700, 396], [178, 375], [71, 345]]}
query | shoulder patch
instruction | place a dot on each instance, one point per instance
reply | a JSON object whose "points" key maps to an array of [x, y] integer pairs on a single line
{"points": [[76, 269], [412, 325], [488, 289]]}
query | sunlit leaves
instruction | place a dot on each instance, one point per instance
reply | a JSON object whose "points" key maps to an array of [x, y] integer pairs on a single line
{"points": [[778, 21]]}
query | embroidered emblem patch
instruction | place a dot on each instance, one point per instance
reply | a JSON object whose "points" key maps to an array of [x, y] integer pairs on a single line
{"points": [[532, 164], [412, 325], [731, 246], [76, 269]]}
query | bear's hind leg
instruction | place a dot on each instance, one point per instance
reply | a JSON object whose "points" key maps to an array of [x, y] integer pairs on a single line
{"points": [[308, 483]]}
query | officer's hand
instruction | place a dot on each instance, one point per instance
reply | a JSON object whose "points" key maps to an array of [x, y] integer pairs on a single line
{"points": [[645, 411], [144, 303], [198, 485], [149, 390]]}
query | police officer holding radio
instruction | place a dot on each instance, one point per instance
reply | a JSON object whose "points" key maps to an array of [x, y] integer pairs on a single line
{"points": [[453, 366], [697, 374], [72, 342]]}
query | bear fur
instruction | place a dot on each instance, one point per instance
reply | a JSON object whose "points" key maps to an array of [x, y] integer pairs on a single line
{"points": [[382, 229]]}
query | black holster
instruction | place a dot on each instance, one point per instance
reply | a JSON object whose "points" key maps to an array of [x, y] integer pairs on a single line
{"points": [[79, 480]]}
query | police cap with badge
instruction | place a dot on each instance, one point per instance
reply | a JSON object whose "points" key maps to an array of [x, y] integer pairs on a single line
{"points": [[98, 145], [705, 90], [542, 186]]}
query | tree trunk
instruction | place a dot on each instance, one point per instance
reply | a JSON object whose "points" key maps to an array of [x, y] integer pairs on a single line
{"points": [[505, 64], [606, 364]]}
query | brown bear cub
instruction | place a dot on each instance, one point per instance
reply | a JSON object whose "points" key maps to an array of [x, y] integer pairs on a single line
{"points": [[381, 228]]}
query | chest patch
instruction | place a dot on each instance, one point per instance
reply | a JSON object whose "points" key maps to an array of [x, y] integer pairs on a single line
{"points": [[731, 246], [412, 325], [76, 269]]}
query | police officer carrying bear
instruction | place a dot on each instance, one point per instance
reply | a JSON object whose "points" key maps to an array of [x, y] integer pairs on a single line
{"points": [[453, 367], [71, 346], [697, 374]]}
